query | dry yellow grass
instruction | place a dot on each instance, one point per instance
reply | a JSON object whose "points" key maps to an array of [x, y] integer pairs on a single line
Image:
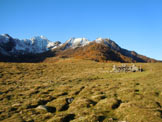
{"points": [[79, 91]]}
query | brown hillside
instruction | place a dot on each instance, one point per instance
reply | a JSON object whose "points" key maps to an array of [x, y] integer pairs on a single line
{"points": [[96, 52]]}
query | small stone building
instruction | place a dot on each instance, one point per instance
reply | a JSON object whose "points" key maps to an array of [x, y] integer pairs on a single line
{"points": [[125, 68]]}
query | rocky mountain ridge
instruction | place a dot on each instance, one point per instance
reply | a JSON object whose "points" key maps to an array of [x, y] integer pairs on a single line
{"points": [[10, 46], [37, 49]]}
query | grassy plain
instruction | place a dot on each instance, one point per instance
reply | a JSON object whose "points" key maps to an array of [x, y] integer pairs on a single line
{"points": [[72, 90]]}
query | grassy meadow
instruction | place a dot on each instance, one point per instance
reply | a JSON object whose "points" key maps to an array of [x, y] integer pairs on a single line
{"points": [[73, 90]]}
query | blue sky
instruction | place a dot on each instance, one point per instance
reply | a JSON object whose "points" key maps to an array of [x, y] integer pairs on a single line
{"points": [[133, 24]]}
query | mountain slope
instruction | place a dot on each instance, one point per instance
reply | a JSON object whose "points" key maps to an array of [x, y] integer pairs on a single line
{"points": [[101, 50], [129, 54], [94, 51]]}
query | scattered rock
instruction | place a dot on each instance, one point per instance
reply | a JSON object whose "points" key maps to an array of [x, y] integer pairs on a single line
{"points": [[42, 107], [69, 100], [46, 108]]}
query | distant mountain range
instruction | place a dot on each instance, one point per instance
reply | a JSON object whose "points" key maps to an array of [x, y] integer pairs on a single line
{"points": [[39, 49]]}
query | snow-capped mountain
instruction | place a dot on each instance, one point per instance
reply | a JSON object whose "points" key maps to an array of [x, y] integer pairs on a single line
{"points": [[76, 42], [38, 44], [101, 49], [109, 43], [38, 48], [80, 42]]}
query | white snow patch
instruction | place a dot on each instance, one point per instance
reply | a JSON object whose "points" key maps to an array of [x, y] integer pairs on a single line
{"points": [[77, 42], [4, 38]]}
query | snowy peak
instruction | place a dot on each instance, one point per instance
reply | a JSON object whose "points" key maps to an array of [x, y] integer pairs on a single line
{"points": [[4, 38], [39, 38], [109, 43], [80, 42], [76, 42], [38, 44], [98, 40]]}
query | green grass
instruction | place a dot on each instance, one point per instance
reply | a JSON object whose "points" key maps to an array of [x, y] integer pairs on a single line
{"points": [[97, 94]]}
